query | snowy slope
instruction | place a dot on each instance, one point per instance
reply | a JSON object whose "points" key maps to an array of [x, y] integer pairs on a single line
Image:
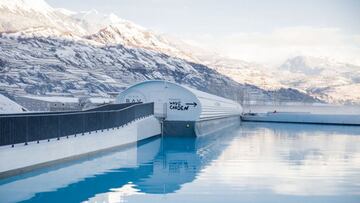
{"points": [[109, 29], [37, 65], [35, 18], [9, 106], [246, 72], [39, 6], [18, 15], [130, 34], [322, 77], [50, 50]]}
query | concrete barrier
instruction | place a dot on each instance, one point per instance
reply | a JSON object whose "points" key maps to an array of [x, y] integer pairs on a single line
{"points": [[23, 158]]}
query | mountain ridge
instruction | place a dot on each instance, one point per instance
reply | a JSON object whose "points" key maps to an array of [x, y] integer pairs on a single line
{"points": [[102, 31], [324, 78], [44, 65]]}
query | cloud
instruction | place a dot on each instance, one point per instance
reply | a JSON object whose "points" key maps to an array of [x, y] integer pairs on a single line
{"points": [[282, 43]]}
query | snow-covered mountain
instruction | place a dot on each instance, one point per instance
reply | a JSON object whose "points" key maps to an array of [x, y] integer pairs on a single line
{"points": [[37, 18], [130, 34], [245, 72], [319, 77], [19, 15], [38, 65], [47, 50], [322, 77]]}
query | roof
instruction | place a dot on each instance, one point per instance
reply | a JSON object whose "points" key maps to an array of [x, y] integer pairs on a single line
{"points": [[197, 93]]}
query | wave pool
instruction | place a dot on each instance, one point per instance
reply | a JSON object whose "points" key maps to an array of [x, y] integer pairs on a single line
{"points": [[256, 162]]}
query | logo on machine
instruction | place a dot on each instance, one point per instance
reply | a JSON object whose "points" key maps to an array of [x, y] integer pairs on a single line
{"points": [[177, 105]]}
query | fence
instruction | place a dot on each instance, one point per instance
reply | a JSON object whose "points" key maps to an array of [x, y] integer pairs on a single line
{"points": [[18, 128]]}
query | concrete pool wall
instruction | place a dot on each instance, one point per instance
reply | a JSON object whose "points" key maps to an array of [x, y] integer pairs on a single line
{"points": [[306, 118], [23, 158]]}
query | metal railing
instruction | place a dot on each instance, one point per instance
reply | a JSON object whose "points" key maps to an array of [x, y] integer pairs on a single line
{"points": [[30, 127]]}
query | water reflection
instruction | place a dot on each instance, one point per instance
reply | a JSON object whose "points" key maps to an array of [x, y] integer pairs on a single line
{"points": [[254, 163], [157, 166], [305, 160]]}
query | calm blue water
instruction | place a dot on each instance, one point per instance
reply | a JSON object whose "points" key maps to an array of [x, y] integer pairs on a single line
{"points": [[253, 163]]}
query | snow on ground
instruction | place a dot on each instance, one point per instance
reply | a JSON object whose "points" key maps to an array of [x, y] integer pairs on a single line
{"points": [[9, 106]]}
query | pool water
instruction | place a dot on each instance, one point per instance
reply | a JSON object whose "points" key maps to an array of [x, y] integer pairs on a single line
{"points": [[256, 162]]}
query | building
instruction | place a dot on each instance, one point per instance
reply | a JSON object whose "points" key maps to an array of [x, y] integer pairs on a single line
{"points": [[184, 110]]}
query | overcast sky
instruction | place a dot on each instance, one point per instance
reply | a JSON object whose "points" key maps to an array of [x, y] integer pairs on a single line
{"points": [[265, 31]]}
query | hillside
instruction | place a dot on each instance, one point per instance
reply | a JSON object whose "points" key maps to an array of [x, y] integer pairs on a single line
{"points": [[48, 50]]}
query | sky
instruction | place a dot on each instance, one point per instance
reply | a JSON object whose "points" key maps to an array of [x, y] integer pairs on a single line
{"points": [[264, 31]]}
